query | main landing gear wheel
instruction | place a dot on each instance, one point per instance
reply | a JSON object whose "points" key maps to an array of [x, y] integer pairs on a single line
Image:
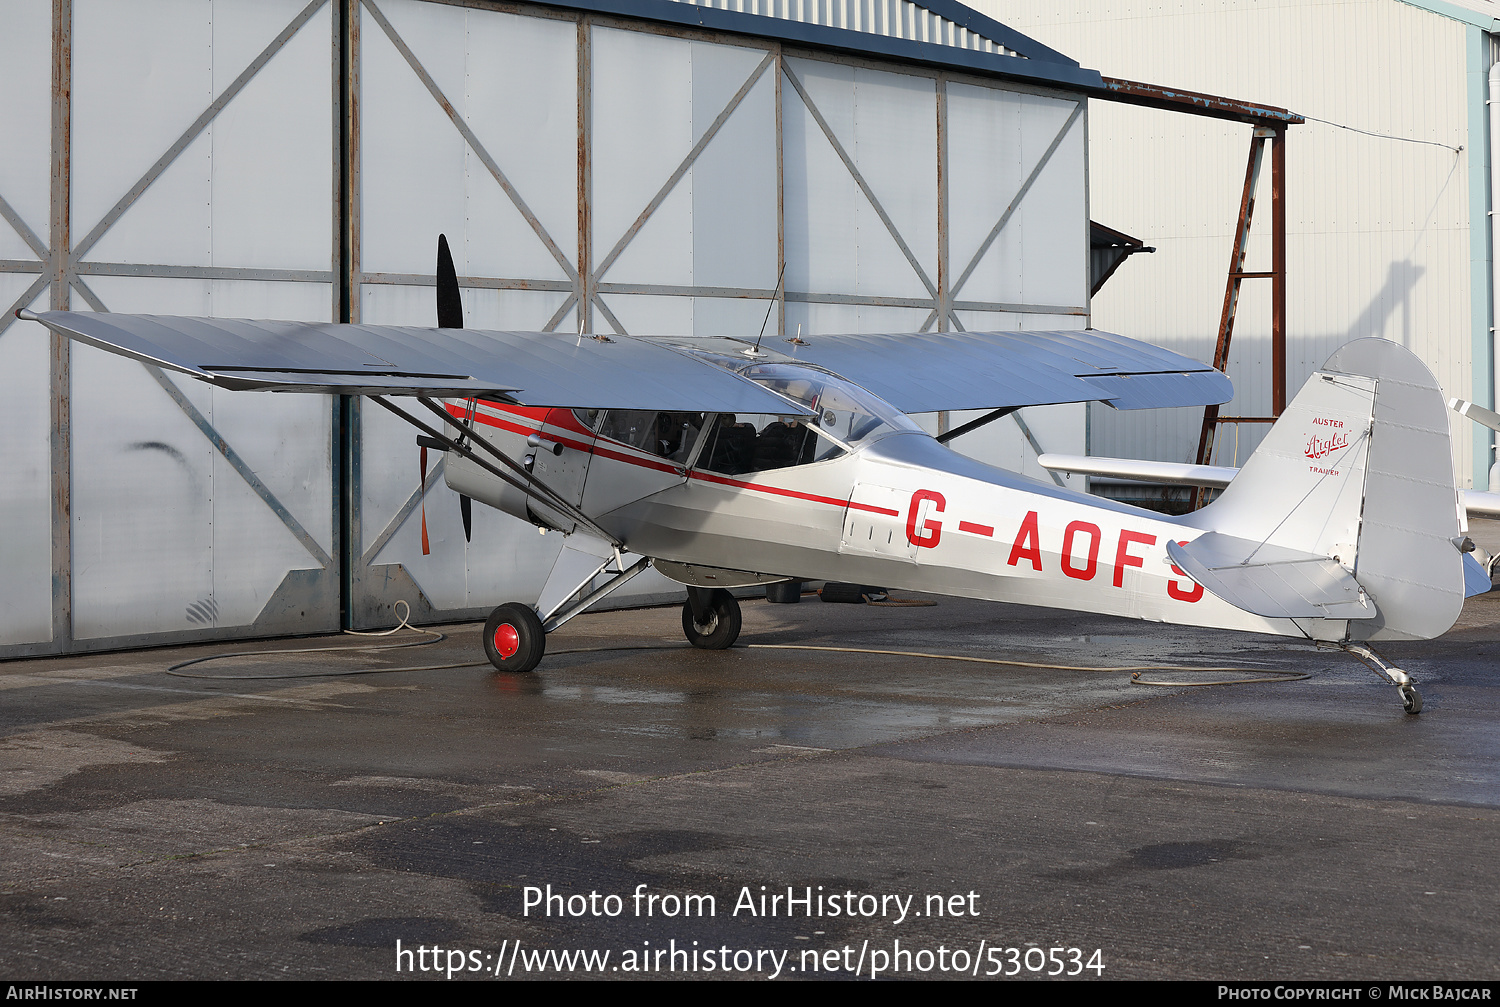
{"points": [[513, 638], [720, 615], [1411, 699]]}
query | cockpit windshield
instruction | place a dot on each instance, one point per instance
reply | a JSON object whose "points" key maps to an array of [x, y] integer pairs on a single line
{"points": [[845, 410], [846, 415]]}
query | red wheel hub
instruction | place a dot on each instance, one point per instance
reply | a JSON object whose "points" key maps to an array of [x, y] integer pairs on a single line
{"points": [[507, 640]]}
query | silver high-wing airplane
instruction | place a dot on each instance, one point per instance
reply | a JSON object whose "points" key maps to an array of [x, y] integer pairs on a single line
{"points": [[725, 463]]}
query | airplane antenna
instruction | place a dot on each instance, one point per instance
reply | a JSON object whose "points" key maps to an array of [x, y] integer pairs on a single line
{"points": [[797, 340], [754, 351]]}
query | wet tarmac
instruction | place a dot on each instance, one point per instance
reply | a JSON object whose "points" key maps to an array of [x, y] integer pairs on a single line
{"points": [[253, 824]]}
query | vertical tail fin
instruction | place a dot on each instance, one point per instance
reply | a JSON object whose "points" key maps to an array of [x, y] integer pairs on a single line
{"points": [[1359, 468]]}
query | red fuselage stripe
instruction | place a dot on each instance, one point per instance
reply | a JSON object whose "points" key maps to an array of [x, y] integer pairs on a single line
{"points": [[603, 452]]}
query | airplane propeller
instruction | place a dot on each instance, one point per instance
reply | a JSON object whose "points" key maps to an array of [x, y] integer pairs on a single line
{"points": [[450, 315]]}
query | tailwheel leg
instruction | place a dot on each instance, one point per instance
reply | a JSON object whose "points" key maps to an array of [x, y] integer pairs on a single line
{"points": [[711, 618], [513, 638], [1411, 699]]}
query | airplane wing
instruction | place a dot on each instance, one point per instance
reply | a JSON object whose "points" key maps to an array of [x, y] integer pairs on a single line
{"points": [[926, 372], [527, 368], [915, 372]]}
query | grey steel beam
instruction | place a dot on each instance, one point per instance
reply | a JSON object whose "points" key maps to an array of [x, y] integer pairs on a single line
{"points": [[682, 169], [347, 460], [859, 180], [473, 282], [609, 316], [944, 295], [202, 272], [24, 265], [871, 299], [687, 290], [583, 296], [780, 199], [60, 353], [199, 125], [91, 298], [1036, 309]]}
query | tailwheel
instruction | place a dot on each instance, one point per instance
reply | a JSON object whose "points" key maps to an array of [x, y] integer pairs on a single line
{"points": [[1411, 699], [711, 618], [513, 638]]}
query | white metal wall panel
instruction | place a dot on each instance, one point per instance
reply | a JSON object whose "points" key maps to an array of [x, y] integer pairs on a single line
{"points": [[26, 489], [167, 535], [1378, 230], [25, 117], [418, 176], [996, 141], [734, 178], [838, 243], [642, 118], [25, 457]]}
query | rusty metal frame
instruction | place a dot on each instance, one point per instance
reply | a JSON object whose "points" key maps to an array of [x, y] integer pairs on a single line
{"points": [[60, 349], [1275, 136]]}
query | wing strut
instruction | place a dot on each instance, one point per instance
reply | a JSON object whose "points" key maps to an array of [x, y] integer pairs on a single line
{"points": [[988, 417], [527, 483]]}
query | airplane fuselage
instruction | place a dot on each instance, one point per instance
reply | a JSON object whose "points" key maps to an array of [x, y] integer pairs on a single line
{"points": [[900, 511]]}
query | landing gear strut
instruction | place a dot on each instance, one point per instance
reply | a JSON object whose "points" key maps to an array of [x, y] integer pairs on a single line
{"points": [[515, 635], [711, 618], [1411, 699]]}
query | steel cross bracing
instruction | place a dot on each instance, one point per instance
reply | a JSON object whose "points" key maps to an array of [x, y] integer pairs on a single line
{"points": [[586, 284]]}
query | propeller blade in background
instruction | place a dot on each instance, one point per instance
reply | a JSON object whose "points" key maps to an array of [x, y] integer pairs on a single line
{"points": [[450, 305]]}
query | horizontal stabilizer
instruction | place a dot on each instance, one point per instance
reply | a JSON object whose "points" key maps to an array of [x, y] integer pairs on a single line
{"points": [[1476, 580], [1176, 473], [1272, 581], [1481, 503]]}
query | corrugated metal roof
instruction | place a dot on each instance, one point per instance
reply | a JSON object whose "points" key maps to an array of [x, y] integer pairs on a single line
{"points": [[942, 33], [894, 18]]}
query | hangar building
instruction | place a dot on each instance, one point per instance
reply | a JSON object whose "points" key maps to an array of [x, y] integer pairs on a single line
{"points": [[602, 165]]}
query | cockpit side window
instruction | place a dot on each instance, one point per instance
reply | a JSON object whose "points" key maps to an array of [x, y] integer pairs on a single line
{"points": [[745, 442], [670, 435]]}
